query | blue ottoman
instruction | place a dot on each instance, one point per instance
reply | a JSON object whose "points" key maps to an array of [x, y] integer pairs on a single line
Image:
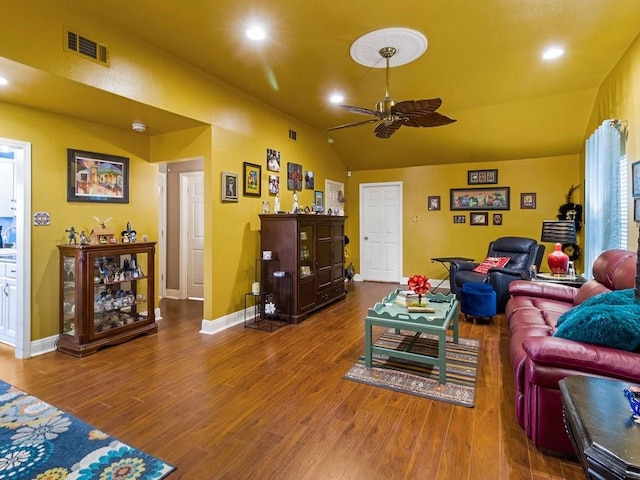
{"points": [[478, 300]]}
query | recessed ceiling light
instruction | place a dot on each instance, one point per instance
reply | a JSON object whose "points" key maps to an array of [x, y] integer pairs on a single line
{"points": [[336, 98], [4, 81], [552, 52], [256, 33]]}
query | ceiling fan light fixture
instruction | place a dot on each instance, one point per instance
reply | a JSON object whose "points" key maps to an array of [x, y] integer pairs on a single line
{"points": [[336, 98], [408, 45]]}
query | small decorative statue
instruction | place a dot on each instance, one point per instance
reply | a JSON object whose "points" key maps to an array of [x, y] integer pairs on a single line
{"points": [[295, 207], [72, 235], [83, 238], [276, 204]]}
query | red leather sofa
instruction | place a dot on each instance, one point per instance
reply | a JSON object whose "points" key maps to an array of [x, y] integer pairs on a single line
{"points": [[539, 360]]}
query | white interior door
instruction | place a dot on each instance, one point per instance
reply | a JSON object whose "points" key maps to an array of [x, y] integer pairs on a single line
{"points": [[381, 231], [192, 238]]}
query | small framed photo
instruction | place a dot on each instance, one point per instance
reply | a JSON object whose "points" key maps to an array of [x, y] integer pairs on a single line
{"points": [[635, 178], [252, 180], [433, 203], [229, 187], [636, 210], [294, 176], [459, 219], [273, 160], [497, 219], [318, 201], [476, 177], [309, 180], [479, 218], [528, 201], [274, 184]]}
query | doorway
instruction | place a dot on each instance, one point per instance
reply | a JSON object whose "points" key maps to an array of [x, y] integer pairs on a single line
{"points": [[381, 231], [22, 241], [181, 229]]}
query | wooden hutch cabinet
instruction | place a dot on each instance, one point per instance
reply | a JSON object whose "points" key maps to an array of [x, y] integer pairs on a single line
{"points": [[106, 295], [311, 249]]}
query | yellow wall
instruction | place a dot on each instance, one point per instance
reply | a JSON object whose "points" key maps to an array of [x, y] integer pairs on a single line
{"points": [[50, 136], [619, 97], [240, 130], [433, 233]]}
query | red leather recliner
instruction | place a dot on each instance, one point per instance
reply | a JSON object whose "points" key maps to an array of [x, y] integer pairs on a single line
{"points": [[539, 360]]}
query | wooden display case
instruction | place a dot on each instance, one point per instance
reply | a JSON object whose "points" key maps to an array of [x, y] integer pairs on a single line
{"points": [[106, 295], [311, 249]]}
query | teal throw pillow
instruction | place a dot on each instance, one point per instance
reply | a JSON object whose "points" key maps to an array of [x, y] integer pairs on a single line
{"points": [[610, 319]]}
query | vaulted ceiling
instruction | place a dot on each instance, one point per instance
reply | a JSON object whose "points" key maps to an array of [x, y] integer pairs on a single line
{"points": [[483, 59]]}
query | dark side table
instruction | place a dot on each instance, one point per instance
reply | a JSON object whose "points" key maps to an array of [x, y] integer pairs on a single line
{"points": [[575, 281], [601, 427], [447, 260]]}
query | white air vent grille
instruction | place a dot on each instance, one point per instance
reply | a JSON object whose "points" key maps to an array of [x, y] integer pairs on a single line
{"points": [[85, 47]]}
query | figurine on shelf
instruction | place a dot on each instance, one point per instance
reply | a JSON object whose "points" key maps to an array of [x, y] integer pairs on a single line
{"points": [[72, 235], [276, 204], [103, 224], [128, 235], [295, 207], [83, 238]]}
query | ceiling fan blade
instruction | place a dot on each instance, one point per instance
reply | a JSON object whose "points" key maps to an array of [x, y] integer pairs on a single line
{"points": [[354, 124], [429, 105], [385, 130], [360, 110], [429, 119]]}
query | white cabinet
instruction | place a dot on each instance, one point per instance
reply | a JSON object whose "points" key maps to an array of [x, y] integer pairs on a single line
{"points": [[7, 182], [8, 303]]}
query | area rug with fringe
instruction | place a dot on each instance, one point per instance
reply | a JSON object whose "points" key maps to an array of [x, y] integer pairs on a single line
{"points": [[39, 441], [418, 378]]}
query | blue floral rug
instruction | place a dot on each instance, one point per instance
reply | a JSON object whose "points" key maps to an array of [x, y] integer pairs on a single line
{"points": [[38, 441]]}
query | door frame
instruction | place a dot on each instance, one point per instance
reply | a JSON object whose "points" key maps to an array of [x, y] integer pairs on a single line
{"points": [[162, 237], [22, 179], [398, 215]]}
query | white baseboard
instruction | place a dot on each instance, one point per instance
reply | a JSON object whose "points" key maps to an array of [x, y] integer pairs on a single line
{"points": [[211, 327], [173, 294], [43, 345]]}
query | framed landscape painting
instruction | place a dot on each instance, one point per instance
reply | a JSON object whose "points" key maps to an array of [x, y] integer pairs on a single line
{"points": [[496, 198], [97, 177]]}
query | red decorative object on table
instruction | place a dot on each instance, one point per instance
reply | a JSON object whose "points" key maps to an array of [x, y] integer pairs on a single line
{"points": [[420, 285]]}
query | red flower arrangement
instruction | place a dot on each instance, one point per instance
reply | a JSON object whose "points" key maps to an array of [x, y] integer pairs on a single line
{"points": [[420, 285]]}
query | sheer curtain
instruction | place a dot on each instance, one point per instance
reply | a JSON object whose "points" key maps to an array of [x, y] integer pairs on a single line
{"points": [[605, 193]]}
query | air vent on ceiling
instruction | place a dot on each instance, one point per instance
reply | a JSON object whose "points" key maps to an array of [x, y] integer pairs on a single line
{"points": [[85, 47]]}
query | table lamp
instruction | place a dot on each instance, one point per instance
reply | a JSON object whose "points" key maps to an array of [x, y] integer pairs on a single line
{"points": [[559, 232]]}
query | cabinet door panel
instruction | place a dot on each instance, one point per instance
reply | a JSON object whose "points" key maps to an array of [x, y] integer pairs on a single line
{"points": [[306, 294]]}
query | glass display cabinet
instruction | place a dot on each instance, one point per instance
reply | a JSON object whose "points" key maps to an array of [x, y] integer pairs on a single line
{"points": [[106, 295]]}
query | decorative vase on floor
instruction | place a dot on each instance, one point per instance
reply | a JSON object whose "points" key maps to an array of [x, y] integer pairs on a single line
{"points": [[558, 261]]}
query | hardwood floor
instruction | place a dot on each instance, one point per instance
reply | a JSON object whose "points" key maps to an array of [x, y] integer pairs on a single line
{"points": [[246, 404]]}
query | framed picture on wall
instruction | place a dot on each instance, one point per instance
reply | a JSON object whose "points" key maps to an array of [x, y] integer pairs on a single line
{"points": [[497, 219], [636, 210], [318, 201], [229, 187], [97, 177], [635, 179], [479, 218], [528, 201], [294, 176], [433, 202], [252, 180], [496, 198]]}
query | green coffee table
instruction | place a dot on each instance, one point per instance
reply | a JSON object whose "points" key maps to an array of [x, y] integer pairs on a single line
{"points": [[387, 313]]}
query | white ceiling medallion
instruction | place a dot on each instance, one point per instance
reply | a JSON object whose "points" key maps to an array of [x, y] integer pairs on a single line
{"points": [[409, 44]]}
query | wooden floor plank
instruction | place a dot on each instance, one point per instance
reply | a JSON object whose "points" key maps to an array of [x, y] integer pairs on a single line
{"points": [[258, 405]]}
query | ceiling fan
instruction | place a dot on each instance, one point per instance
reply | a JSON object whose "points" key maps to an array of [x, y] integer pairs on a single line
{"points": [[392, 115]]}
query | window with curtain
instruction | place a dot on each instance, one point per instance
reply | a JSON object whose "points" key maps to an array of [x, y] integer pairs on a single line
{"points": [[605, 192]]}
